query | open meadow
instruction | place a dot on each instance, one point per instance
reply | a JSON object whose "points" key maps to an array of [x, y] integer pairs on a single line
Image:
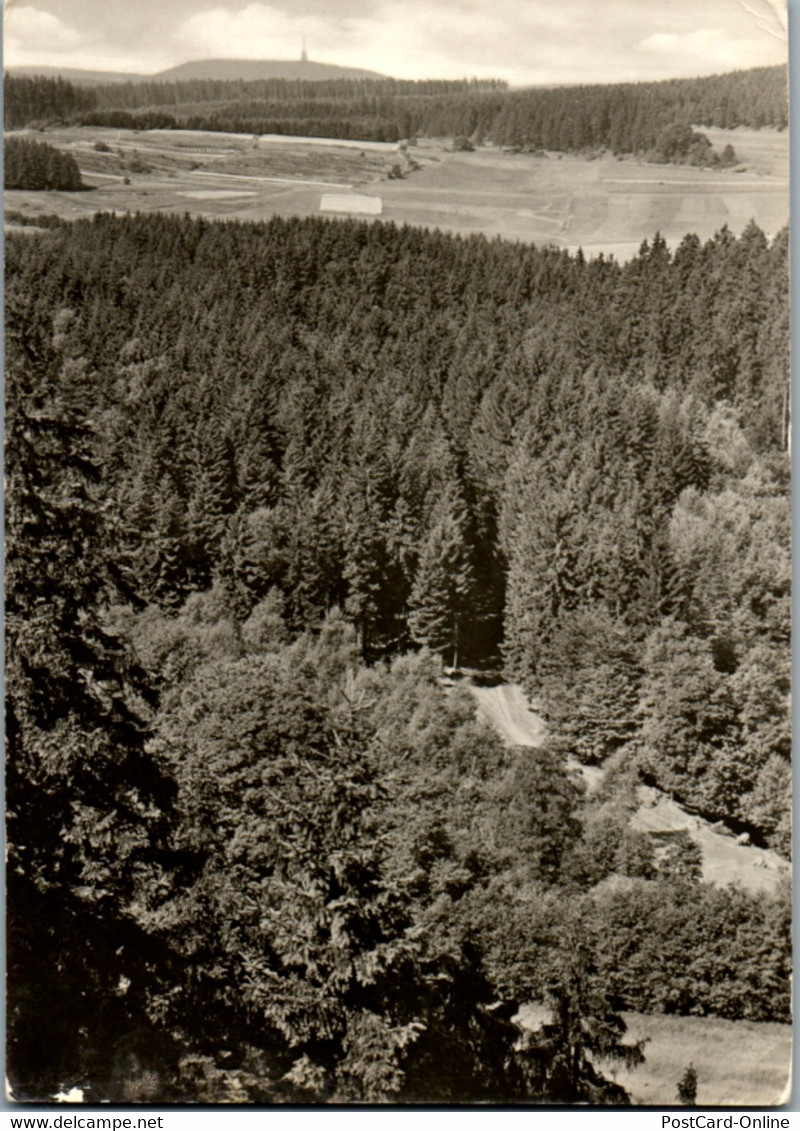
{"points": [[737, 1062], [601, 205]]}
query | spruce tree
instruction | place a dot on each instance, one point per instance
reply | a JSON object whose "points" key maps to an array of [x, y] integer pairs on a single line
{"points": [[561, 1057], [687, 1088], [443, 584]]}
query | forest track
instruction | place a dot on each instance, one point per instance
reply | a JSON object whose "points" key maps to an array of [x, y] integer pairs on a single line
{"points": [[509, 712], [725, 861], [507, 709]]}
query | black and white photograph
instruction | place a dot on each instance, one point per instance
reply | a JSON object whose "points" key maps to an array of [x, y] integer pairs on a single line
{"points": [[397, 555]]}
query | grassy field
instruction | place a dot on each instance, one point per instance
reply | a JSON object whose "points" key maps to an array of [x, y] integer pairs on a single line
{"points": [[737, 1063], [603, 205]]}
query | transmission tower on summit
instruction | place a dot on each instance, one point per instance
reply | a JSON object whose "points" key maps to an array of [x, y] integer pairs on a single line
{"points": [[304, 53]]}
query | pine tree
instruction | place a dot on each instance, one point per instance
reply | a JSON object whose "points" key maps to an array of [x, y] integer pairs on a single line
{"points": [[689, 739], [366, 567], [547, 575], [588, 683], [212, 501]]}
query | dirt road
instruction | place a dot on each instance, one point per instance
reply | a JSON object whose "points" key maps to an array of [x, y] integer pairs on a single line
{"points": [[509, 712], [507, 709]]}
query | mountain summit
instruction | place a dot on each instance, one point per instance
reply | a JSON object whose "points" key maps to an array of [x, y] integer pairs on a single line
{"points": [[247, 69]]}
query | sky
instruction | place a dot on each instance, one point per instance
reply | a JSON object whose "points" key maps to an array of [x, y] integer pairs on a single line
{"points": [[525, 42]]}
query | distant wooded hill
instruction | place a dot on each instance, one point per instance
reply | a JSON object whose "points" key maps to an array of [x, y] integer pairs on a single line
{"points": [[74, 75], [230, 70]]}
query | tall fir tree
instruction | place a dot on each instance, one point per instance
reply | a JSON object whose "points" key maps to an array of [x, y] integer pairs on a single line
{"points": [[440, 597]]}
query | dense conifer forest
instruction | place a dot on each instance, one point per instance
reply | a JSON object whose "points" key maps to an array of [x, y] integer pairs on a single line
{"points": [[624, 118], [267, 484]]}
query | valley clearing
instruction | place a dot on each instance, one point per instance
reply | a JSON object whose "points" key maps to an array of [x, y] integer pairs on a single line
{"points": [[724, 861]]}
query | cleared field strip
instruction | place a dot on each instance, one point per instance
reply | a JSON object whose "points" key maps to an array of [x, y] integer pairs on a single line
{"points": [[507, 710], [411, 190], [738, 1063], [730, 185], [339, 143], [538, 217], [102, 176], [351, 204], [215, 194], [179, 151], [268, 180], [196, 136], [724, 861], [27, 230]]}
